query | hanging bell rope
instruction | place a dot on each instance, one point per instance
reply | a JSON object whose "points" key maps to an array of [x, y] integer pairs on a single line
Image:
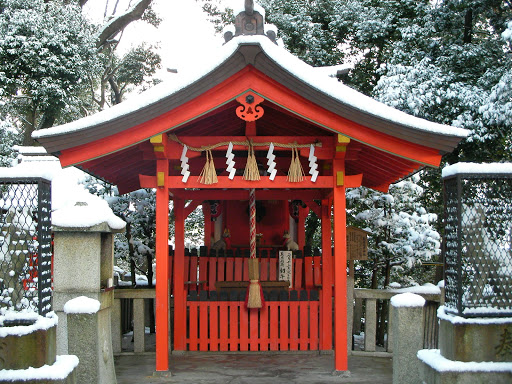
{"points": [[208, 174], [254, 297], [295, 173], [251, 172]]}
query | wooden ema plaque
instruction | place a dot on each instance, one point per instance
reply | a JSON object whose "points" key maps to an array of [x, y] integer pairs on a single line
{"points": [[357, 244]]}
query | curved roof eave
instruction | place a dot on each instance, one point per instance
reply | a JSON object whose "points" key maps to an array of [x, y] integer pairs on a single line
{"points": [[276, 63]]}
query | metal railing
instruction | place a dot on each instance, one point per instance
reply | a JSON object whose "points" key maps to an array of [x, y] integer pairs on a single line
{"points": [[25, 245]]}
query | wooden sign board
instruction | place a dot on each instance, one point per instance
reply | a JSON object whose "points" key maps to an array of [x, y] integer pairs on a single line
{"points": [[357, 244], [286, 266]]}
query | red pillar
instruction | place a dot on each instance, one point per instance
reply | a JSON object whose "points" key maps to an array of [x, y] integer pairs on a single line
{"points": [[326, 298], [340, 267], [179, 282], [162, 266]]}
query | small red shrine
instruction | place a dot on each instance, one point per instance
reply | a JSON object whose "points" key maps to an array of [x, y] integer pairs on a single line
{"points": [[256, 120]]}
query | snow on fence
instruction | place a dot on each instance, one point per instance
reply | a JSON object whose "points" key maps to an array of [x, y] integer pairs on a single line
{"points": [[25, 245], [478, 254]]}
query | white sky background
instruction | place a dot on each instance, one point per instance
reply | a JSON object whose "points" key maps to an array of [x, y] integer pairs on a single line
{"points": [[185, 37]]}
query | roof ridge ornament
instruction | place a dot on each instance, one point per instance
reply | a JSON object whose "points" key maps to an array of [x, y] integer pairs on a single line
{"points": [[249, 22]]}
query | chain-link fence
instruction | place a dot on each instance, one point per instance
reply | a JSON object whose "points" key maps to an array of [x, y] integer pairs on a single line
{"points": [[478, 254], [25, 245]]}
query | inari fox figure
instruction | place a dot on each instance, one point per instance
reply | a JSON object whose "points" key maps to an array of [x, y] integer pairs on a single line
{"points": [[222, 243], [289, 243]]}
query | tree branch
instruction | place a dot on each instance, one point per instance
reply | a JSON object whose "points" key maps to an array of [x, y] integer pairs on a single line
{"points": [[118, 23]]}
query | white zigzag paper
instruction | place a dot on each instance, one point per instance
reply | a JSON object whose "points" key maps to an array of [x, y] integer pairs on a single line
{"points": [[229, 161]]}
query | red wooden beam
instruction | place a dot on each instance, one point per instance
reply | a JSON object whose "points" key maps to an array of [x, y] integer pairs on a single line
{"points": [[242, 194], [280, 182]]}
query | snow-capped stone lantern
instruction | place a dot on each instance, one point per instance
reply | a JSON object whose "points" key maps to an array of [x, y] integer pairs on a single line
{"points": [[475, 344]]}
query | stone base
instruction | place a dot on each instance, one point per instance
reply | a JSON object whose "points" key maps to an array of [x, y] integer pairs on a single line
{"points": [[63, 371], [435, 369]]}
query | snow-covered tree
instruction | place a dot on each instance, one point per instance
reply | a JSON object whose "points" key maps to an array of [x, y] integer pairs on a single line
{"points": [[46, 50], [401, 232]]}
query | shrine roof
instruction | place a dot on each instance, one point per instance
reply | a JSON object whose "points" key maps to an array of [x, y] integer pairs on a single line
{"points": [[274, 62]]}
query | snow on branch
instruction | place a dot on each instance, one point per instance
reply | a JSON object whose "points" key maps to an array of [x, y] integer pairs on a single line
{"points": [[119, 22]]}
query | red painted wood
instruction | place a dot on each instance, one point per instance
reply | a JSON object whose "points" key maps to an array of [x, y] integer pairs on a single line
{"points": [[304, 325], [327, 278], [204, 321], [234, 338], [214, 326], [162, 270], [308, 272], [193, 332], [179, 286], [186, 269], [263, 269], [229, 89], [284, 340], [221, 262], [171, 274], [294, 325], [313, 325], [244, 327], [298, 267], [264, 326], [273, 309], [203, 272], [246, 269], [253, 329], [193, 273], [223, 325], [273, 269], [230, 268], [212, 273], [317, 272], [340, 273], [239, 269]]}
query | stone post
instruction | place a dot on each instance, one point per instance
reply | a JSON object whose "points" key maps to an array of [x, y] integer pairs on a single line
{"points": [[83, 266], [88, 338], [408, 332]]}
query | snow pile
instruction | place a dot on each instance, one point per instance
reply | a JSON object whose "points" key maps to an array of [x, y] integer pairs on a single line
{"points": [[454, 319], [41, 323], [60, 370], [407, 299], [477, 168], [425, 289], [433, 358], [82, 304], [84, 214]]}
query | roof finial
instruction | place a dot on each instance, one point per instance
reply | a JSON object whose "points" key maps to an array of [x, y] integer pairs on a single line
{"points": [[250, 21], [249, 7]]}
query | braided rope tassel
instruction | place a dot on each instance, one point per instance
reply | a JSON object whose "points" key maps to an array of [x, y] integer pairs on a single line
{"points": [[254, 297]]}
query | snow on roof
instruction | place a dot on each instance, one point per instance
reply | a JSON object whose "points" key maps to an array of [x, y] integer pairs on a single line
{"points": [[332, 70], [407, 299], [60, 370], [282, 57], [433, 358], [72, 205], [82, 304], [456, 168]]}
